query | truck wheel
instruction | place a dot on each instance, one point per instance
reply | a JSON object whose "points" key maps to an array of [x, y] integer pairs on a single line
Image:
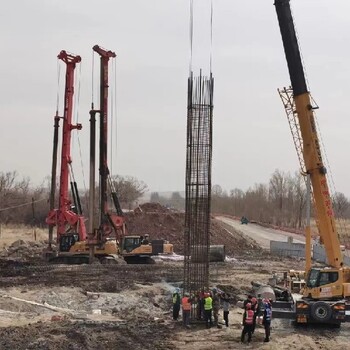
{"points": [[321, 312]]}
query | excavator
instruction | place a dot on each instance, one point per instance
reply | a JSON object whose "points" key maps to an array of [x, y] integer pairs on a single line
{"points": [[107, 240], [327, 289]]}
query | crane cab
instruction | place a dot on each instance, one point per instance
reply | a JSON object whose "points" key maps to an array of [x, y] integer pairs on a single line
{"points": [[327, 283]]}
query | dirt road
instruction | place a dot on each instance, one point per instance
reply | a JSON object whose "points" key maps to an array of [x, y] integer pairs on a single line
{"points": [[261, 235]]}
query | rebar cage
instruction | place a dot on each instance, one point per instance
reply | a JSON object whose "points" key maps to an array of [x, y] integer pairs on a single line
{"points": [[198, 185]]}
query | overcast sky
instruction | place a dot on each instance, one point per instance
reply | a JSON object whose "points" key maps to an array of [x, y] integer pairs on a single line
{"points": [[151, 39]]}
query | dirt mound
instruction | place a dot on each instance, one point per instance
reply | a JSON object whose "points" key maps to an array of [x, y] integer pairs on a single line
{"points": [[23, 250], [152, 208], [157, 221], [162, 223]]}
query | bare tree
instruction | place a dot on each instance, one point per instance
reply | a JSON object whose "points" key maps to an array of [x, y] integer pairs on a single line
{"points": [[340, 204], [237, 201], [155, 198], [299, 199], [128, 188], [278, 193], [216, 190]]}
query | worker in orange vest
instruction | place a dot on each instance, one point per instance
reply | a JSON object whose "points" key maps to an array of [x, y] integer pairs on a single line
{"points": [[255, 308], [186, 310], [248, 320]]}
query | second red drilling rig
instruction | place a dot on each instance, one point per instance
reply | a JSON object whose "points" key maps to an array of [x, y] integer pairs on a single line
{"points": [[107, 239]]}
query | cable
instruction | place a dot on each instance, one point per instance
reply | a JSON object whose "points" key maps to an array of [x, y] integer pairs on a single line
{"points": [[191, 36], [92, 77], [82, 164], [115, 111], [23, 205], [111, 119], [58, 85], [71, 173], [75, 109], [77, 121], [333, 190], [211, 35], [78, 95]]}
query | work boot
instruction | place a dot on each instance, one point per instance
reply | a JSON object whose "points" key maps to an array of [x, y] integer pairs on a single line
{"points": [[266, 340]]}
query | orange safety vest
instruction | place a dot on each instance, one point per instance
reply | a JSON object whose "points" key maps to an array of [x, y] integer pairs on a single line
{"points": [[186, 305], [249, 316]]}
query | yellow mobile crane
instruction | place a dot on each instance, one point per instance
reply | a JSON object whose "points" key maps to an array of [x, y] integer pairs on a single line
{"points": [[327, 289]]}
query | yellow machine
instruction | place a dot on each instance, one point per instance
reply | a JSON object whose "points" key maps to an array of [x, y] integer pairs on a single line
{"points": [[135, 249], [326, 289], [132, 249]]}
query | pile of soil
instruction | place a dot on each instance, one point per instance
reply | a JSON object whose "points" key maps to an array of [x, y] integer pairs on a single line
{"points": [[23, 250], [162, 223], [157, 221]]}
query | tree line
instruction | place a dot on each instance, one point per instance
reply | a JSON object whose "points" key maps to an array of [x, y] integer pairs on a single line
{"points": [[281, 201], [23, 203]]}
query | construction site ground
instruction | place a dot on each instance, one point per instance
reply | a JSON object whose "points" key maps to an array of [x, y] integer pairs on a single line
{"points": [[129, 306]]}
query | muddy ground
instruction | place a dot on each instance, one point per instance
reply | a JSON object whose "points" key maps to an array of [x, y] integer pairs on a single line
{"points": [[129, 307], [57, 307]]}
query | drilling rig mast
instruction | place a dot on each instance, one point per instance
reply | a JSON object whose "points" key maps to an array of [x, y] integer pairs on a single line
{"points": [[68, 216], [111, 224]]}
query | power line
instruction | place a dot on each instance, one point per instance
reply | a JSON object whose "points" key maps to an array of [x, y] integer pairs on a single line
{"points": [[23, 205]]}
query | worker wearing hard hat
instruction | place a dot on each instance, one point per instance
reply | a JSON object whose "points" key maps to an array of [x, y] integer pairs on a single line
{"points": [[146, 239], [267, 319], [216, 306], [248, 300], [176, 304], [255, 308], [186, 309], [225, 299], [248, 319], [208, 307]]}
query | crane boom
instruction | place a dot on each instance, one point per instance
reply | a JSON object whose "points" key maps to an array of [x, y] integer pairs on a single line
{"points": [[311, 145], [327, 289]]}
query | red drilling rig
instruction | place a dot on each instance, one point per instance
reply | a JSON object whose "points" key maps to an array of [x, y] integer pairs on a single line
{"points": [[107, 240], [110, 223], [68, 216]]}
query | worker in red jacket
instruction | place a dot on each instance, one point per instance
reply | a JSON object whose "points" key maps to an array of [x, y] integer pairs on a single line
{"points": [[186, 310], [248, 319], [255, 308]]}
